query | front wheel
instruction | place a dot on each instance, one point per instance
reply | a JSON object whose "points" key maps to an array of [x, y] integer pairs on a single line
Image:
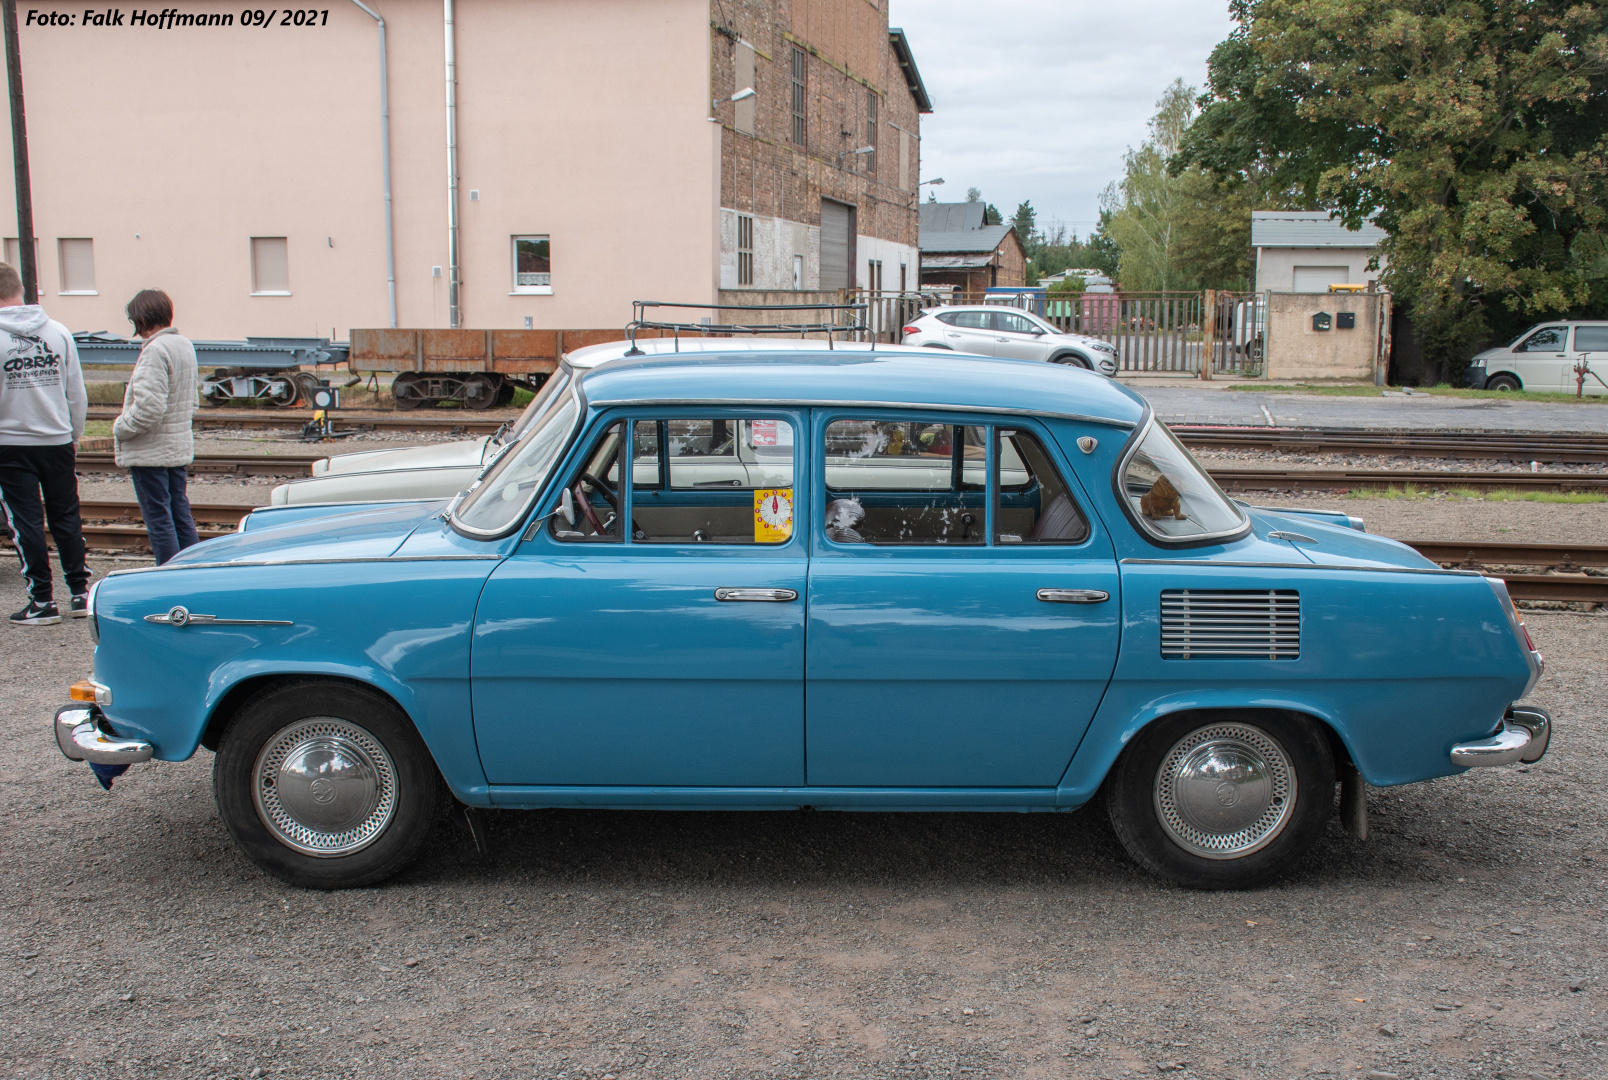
{"points": [[1502, 382], [325, 785], [1222, 800]]}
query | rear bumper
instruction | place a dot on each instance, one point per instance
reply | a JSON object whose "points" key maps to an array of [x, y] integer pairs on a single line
{"points": [[1526, 732], [83, 734]]}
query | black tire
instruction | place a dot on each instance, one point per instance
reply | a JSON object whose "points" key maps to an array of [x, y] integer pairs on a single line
{"points": [[935, 345], [1156, 821], [393, 806], [1072, 360], [1503, 382]]}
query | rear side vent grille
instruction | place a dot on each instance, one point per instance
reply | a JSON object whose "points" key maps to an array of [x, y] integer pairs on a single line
{"points": [[1248, 624]]}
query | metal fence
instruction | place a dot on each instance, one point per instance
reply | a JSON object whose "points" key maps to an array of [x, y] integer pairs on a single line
{"points": [[1236, 326]]}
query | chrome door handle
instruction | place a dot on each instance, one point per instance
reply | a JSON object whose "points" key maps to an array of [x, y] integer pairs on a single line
{"points": [[763, 596], [1073, 596]]}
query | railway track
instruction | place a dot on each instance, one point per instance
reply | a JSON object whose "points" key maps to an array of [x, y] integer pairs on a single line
{"points": [[295, 419], [1380, 479], [1546, 447], [1532, 571]]}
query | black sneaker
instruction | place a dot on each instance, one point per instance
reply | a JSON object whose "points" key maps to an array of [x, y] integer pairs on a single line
{"points": [[36, 614], [78, 607]]}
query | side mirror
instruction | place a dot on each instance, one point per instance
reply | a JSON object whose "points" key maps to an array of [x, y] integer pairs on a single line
{"points": [[566, 507]]}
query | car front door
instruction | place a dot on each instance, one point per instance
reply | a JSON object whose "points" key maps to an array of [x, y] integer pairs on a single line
{"points": [[963, 608], [1017, 336], [1541, 360], [651, 632]]}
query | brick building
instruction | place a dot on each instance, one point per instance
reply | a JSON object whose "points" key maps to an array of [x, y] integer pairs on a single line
{"points": [[819, 169], [959, 251]]}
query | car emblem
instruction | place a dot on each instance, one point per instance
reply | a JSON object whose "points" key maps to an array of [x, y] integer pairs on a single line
{"points": [[323, 791], [1227, 793]]}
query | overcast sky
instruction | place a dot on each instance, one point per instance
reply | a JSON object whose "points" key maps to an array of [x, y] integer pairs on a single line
{"points": [[1039, 99]]}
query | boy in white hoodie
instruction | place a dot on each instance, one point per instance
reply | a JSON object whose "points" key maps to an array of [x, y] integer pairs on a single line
{"points": [[42, 406]]}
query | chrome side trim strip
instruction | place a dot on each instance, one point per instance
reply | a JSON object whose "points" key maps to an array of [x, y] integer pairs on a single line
{"points": [[304, 562], [1073, 596], [179, 616], [1203, 564], [908, 406]]}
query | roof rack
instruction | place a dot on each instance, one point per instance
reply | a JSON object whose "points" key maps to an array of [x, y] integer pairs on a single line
{"points": [[639, 321]]}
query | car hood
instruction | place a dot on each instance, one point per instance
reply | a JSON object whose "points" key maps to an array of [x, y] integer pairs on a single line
{"points": [[317, 533], [1328, 544], [431, 456]]}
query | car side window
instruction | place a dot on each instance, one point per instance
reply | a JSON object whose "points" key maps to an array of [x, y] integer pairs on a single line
{"points": [[1012, 323], [1035, 505], [590, 508], [972, 320], [905, 482], [1591, 339], [1548, 339], [712, 481]]}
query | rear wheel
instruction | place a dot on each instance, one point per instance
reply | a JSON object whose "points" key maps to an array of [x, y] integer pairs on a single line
{"points": [[480, 391], [1222, 800], [405, 391], [1502, 382], [325, 785]]}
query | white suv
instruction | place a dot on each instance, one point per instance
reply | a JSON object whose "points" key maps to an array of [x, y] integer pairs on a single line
{"points": [[992, 330]]}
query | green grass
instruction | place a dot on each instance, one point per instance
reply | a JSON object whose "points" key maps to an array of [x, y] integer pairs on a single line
{"points": [[97, 428], [1443, 390], [1413, 491], [522, 397]]}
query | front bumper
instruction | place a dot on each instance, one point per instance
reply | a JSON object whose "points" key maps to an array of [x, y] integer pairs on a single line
{"points": [[83, 734], [1474, 376], [1526, 732]]}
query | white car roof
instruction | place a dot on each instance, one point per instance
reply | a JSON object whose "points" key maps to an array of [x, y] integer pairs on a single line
{"points": [[593, 355]]}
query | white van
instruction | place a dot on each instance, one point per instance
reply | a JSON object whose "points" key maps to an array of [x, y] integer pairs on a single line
{"points": [[1544, 358]]}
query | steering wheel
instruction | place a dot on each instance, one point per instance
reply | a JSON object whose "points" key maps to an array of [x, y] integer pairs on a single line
{"points": [[604, 490], [586, 508]]}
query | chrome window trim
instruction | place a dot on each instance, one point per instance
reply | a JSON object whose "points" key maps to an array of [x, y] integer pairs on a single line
{"points": [[796, 403], [302, 562], [1120, 490], [517, 522], [1208, 563], [329, 476]]}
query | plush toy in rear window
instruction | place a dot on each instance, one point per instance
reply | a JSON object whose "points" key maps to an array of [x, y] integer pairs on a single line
{"points": [[1162, 501]]}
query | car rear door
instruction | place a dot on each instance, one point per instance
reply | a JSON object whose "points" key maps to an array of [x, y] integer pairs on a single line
{"points": [[969, 331], [961, 630]]}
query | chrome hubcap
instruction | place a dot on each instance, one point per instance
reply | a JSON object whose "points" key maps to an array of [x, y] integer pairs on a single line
{"points": [[325, 787], [1225, 791]]}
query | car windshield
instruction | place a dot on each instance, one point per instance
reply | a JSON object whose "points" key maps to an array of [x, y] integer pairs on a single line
{"points": [[1170, 494], [504, 491], [550, 389]]}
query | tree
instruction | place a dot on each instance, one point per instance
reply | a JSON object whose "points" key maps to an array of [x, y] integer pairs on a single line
{"points": [[991, 214], [973, 195], [1144, 206], [1474, 132], [1026, 221]]}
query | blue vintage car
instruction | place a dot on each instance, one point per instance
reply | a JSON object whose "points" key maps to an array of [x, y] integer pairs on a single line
{"points": [[846, 581]]}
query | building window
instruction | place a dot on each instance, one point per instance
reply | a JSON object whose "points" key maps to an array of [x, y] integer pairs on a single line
{"points": [[14, 255], [871, 132], [798, 271], [77, 258], [798, 96], [745, 250], [270, 266], [744, 111], [533, 265]]}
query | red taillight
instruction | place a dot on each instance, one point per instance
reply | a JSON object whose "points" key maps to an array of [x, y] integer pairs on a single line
{"points": [[912, 329]]}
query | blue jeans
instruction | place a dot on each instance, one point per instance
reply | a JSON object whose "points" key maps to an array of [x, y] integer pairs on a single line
{"points": [[165, 508]]}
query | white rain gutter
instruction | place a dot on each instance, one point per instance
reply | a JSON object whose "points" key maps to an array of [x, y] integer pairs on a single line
{"points": [[455, 314], [385, 153]]}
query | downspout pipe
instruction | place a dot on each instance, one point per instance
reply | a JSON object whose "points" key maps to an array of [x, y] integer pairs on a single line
{"points": [[455, 311], [385, 154]]}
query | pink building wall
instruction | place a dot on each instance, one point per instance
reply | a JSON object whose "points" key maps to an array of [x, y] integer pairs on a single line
{"points": [[582, 119]]}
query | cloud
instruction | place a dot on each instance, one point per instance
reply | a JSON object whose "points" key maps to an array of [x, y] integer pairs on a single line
{"points": [[1039, 99]]}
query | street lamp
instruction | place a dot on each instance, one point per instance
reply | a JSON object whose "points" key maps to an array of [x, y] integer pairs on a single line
{"points": [[742, 95], [938, 182], [862, 150]]}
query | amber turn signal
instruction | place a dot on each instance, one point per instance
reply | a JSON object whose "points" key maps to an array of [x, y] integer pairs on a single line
{"points": [[90, 691]]}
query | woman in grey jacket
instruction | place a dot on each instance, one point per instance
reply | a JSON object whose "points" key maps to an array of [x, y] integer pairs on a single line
{"points": [[154, 439]]}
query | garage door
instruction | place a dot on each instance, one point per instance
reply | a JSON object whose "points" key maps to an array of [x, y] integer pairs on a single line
{"points": [[837, 249], [1319, 278]]}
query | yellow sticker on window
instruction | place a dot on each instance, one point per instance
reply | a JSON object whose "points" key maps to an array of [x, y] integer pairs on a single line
{"points": [[773, 515]]}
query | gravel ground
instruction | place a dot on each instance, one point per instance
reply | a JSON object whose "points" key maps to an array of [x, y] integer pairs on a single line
{"points": [[1463, 939]]}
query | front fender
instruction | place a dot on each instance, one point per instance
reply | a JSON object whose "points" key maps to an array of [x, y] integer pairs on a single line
{"points": [[400, 626]]}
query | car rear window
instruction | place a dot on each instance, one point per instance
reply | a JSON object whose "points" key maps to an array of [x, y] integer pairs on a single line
{"points": [[1591, 339]]}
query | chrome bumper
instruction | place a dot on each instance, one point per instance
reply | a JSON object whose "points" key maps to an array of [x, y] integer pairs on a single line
{"points": [[1525, 733], [83, 734]]}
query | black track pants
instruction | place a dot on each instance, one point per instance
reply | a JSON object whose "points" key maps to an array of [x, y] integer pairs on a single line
{"points": [[25, 473]]}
